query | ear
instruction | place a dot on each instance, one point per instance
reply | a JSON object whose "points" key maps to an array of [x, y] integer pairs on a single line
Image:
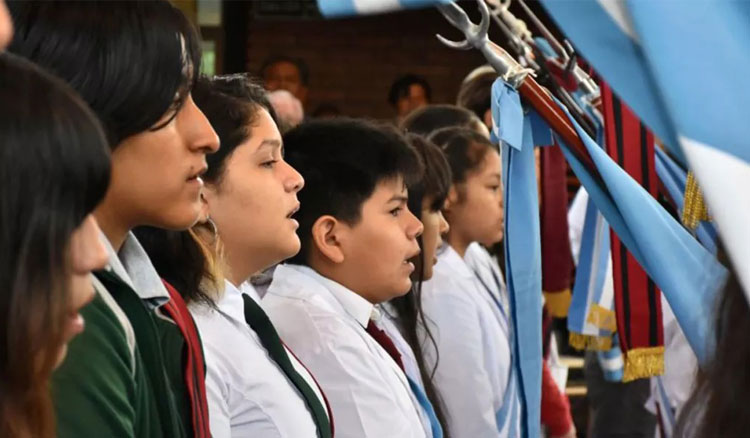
{"points": [[325, 235], [452, 198]]}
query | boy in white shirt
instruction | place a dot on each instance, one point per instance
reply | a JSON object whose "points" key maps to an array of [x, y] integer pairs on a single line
{"points": [[357, 238]]}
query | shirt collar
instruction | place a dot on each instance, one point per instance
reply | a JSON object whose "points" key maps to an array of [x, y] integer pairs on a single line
{"points": [[134, 267], [232, 304], [453, 260], [354, 305]]}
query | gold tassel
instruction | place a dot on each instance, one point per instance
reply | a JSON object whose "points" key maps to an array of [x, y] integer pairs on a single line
{"points": [[589, 342], [558, 303], [602, 318], [642, 363], [694, 208]]}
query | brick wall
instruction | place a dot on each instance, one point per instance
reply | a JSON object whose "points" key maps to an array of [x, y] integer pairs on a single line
{"points": [[353, 61]]}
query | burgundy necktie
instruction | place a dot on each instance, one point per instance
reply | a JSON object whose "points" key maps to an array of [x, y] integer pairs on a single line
{"points": [[385, 342]]}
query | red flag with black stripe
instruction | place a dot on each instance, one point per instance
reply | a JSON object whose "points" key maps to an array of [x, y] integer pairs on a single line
{"points": [[637, 299]]}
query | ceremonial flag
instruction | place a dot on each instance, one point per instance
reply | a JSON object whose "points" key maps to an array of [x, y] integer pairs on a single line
{"points": [[681, 67]]}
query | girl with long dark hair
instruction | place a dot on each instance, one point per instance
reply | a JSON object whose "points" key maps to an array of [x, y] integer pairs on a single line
{"points": [[54, 170], [404, 321]]}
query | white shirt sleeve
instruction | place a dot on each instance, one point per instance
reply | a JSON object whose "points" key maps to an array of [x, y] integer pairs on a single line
{"points": [[217, 395], [461, 377]]}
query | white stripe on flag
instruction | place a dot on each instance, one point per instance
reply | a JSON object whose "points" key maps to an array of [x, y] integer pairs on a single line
{"points": [[617, 10], [724, 180], [613, 364], [376, 6]]}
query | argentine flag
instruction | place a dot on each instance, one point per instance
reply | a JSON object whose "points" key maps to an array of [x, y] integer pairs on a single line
{"points": [[345, 8], [682, 67]]}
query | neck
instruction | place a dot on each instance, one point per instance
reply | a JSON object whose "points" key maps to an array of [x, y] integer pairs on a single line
{"points": [[458, 242], [112, 225], [239, 266], [332, 272]]}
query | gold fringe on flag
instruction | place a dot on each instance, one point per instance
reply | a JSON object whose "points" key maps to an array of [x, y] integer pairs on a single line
{"points": [[558, 303], [642, 363], [602, 317], [694, 208], [589, 342]]}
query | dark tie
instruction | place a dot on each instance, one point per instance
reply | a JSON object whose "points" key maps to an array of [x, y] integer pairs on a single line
{"points": [[257, 319], [385, 341]]}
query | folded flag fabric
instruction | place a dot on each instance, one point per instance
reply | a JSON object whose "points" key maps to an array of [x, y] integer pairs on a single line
{"points": [[344, 8], [688, 274], [677, 65]]}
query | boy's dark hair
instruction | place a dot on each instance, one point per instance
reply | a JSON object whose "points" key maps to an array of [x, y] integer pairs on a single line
{"points": [[400, 87], [125, 58], [304, 73], [430, 118], [476, 93], [342, 161], [231, 104]]}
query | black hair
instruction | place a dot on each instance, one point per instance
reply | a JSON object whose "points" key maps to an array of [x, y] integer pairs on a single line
{"points": [[400, 88], [425, 120], [342, 161], [718, 406], [434, 185], [304, 73], [464, 148], [54, 170], [125, 58], [476, 94], [231, 104]]}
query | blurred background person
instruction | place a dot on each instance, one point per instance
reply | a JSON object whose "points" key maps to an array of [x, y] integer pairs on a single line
{"points": [[408, 93]]}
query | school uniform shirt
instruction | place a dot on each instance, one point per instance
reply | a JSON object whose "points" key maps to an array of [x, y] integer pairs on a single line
{"points": [[474, 372], [325, 324], [248, 393], [390, 325], [114, 381]]}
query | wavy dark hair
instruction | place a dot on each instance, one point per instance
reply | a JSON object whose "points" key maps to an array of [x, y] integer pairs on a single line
{"points": [[428, 119], [54, 170], [186, 259], [718, 404], [434, 185]]}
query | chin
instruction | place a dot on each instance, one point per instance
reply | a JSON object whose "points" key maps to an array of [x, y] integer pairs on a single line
{"points": [[61, 355]]}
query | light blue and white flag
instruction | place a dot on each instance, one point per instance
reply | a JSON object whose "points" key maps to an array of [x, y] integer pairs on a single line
{"points": [[345, 8], [688, 274], [523, 256], [682, 68]]}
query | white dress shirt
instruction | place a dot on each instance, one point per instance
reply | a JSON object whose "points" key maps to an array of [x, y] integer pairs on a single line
{"points": [[389, 324], [324, 323], [474, 364], [248, 393]]}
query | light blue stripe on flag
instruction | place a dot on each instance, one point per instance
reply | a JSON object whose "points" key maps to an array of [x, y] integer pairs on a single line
{"points": [[345, 8], [522, 249], [688, 274]]}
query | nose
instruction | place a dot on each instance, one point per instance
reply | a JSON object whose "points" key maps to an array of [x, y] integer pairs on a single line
{"points": [[415, 227], [199, 133], [88, 250], [443, 227], [293, 182]]}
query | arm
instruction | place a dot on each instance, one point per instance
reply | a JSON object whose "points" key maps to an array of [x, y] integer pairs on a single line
{"points": [[94, 391]]}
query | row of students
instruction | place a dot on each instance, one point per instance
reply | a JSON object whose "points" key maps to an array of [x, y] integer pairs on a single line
{"points": [[138, 368]]}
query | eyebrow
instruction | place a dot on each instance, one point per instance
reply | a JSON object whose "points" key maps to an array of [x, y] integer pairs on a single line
{"points": [[269, 143], [399, 198]]}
